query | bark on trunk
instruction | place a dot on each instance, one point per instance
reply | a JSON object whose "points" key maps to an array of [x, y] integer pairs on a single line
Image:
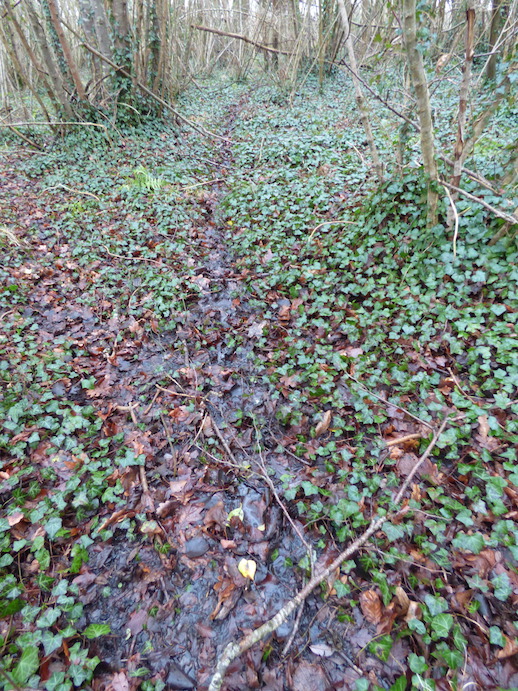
{"points": [[463, 95], [72, 67], [420, 85], [360, 100]]}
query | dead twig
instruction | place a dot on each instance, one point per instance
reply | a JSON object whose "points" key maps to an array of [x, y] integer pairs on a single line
{"points": [[234, 650], [328, 223], [71, 189], [456, 217], [383, 400], [402, 440], [293, 633], [135, 259], [510, 218]]}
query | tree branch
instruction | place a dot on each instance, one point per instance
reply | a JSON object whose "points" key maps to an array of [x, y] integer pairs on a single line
{"points": [[234, 650]]}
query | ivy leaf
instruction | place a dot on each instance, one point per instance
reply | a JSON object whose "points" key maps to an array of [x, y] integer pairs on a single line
{"points": [[469, 543], [417, 663], [441, 625], [96, 630], [28, 664], [496, 637], [53, 526], [503, 587]]}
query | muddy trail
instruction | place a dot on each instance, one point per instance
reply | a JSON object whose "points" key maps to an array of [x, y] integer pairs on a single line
{"points": [[163, 572], [213, 381]]}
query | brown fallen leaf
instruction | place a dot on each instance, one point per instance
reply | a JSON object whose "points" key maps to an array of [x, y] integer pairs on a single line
{"points": [[371, 606], [324, 423], [510, 648], [119, 682], [483, 437]]}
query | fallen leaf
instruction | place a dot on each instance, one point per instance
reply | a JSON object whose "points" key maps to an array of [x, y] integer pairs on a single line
{"points": [[256, 330], [321, 649], [324, 423], [119, 682], [510, 648], [15, 518], [371, 606], [247, 568]]}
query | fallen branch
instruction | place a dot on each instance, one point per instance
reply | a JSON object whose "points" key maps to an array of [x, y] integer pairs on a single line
{"points": [[22, 136], [234, 650], [402, 440], [245, 39], [510, 218]]}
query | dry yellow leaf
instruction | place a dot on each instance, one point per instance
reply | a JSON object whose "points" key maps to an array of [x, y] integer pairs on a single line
{"points": [[247, 568]]}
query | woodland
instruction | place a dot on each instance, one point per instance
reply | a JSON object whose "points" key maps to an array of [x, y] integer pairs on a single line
{"points": [[258, 354]]}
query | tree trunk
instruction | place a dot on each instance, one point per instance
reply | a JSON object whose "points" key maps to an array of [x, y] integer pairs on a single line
{"points": [[420, 85], [463, 95], [72, 67], [494, 31], [54, 87], [360, 100], [101, 28]]}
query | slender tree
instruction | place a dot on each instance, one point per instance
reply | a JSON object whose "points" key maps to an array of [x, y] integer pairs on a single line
{"points": [[420, 86]]}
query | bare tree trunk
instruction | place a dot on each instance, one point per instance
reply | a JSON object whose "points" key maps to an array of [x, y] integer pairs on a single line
{"points": [[101, 28], [418, 78], [458, 158], [360, 100], [463, 94], [494, 32], [72, 67], [54, 88], [10, 47]]}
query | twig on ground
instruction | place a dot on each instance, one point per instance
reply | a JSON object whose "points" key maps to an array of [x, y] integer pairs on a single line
{"points": [[269, 482], [384, 400], [402, 440], [201, 184], [510, 218], [72, 189], [457, 384], [180, 394], [234, 650], [135, 259], [329, 223], [456, 217], [290, 453], [293, 633]]}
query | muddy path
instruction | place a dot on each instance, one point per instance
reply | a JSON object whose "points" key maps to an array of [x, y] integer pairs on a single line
{"points": [[198, 412], [180, 597]]}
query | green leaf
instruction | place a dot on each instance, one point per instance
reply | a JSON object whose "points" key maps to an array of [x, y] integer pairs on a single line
{"points": [[453, 658], [417, 663], [96, 630], [399, 684], [28, 664], [469, 543], [502, 586], [496, 637], [361, 685], [435, 604], [393, 532], [53, 526], [441, 625], [309, 488], [381, 647]]}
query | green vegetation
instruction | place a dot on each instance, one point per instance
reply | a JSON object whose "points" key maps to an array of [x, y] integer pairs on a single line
{"points": [[358, 311]]}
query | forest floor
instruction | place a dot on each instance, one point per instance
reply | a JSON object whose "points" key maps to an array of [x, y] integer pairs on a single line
{"points": [[221, 356]]}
